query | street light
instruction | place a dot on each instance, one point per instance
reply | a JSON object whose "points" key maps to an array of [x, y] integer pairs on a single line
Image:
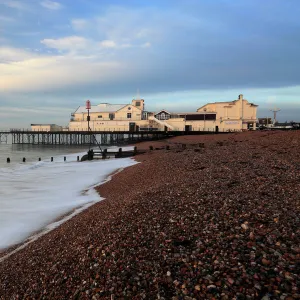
{"points": [[88, 107]]}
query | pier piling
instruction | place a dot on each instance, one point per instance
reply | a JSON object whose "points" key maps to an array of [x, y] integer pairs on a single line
{"points": [[8, 160], [104, 153]]}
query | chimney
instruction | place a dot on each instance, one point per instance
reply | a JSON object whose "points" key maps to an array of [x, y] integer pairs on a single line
{"points": [[241, 97]]}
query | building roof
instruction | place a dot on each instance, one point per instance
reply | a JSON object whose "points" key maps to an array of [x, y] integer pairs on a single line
{"points": [[101, 108], [187, 113], [44, 125], [227, 102]]}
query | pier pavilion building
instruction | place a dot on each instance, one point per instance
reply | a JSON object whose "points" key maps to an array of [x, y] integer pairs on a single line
{"points": [[234, 115]]}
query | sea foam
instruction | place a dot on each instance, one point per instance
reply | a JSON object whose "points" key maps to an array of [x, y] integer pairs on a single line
{"points": [[34, 195]]}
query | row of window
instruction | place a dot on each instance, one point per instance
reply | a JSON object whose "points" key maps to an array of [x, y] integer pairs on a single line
{"points": [[112, 116]]}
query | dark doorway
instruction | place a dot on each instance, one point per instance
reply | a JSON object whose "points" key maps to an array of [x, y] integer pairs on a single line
{"points": [[217, 129], [131, 126], [188, 128], [111, 116]]}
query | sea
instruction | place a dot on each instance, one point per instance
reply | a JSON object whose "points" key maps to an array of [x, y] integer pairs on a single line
{"points": [[35, 194]]}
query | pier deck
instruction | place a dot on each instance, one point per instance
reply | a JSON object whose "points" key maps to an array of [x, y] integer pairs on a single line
{"points": [[87, 137]]}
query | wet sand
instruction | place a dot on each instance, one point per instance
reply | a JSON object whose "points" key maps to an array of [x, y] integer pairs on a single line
{"points": [[216, 218]]}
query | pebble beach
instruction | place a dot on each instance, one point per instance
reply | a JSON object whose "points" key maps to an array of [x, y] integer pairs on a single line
{"points": [[200, 217]]}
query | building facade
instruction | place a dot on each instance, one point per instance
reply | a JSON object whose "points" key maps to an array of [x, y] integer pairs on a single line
{"points": [[110, 117], [46, 127], [233, 115]]}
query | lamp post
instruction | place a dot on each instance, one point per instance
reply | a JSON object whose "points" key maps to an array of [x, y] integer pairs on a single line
{"points": [[88, 107]]}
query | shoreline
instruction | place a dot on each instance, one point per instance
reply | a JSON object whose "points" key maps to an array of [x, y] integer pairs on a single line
{"points": [[7, 252], [195, 222]]}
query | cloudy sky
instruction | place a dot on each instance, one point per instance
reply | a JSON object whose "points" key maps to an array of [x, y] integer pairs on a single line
{"points": [[180, 54]]}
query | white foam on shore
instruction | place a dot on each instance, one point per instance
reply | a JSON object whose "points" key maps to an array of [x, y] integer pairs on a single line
{"points": [[33, 196]]}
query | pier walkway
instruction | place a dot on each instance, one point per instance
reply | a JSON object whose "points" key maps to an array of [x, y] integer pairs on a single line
{"points": [[87, 137]]}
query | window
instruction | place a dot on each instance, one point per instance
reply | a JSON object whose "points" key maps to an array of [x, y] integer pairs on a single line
{"points": [[128, 115], [129, 108], [138, 103], [111, 116], [100, 116]]}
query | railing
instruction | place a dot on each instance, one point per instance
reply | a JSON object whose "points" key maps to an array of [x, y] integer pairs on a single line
{"points": [[18, 129], [161, 122], [107, 119]]}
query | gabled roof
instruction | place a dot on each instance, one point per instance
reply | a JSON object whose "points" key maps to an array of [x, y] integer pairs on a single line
{"points": [[163, 110], [101, 108], [128, 105]]}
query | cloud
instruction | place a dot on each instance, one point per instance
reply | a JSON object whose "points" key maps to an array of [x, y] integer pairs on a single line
{"points": [[29, 72], [67, 43], [9, 55], [6, 19], [52, 5], [20, 5], [108, 44], [79, 24], [146, 45]]}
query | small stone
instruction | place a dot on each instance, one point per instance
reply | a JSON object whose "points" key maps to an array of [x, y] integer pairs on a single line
{"points": [[265, 262], [245, 226]]}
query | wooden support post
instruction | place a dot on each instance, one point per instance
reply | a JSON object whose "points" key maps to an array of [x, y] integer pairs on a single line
{"points": [[104, 153]]}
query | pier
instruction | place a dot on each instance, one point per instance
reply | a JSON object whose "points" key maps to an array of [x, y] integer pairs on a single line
{"points": [[87, 137]]}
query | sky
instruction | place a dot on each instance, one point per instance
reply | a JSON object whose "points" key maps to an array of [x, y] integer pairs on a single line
{"points": [[54, 55]]}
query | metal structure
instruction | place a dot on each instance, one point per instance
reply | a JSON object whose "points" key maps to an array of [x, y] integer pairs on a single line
{"points": [[275, 111], [80, 137], [85, 137], [3, 137]]}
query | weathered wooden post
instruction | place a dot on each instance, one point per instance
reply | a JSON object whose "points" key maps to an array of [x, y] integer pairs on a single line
{"points": [[51, 159], [40, 159], [24, 159], [77, 158], [104, 153], [135, 150], [120, 152], [167, 147], [65, 158], [8, 160], [151, 148]]}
